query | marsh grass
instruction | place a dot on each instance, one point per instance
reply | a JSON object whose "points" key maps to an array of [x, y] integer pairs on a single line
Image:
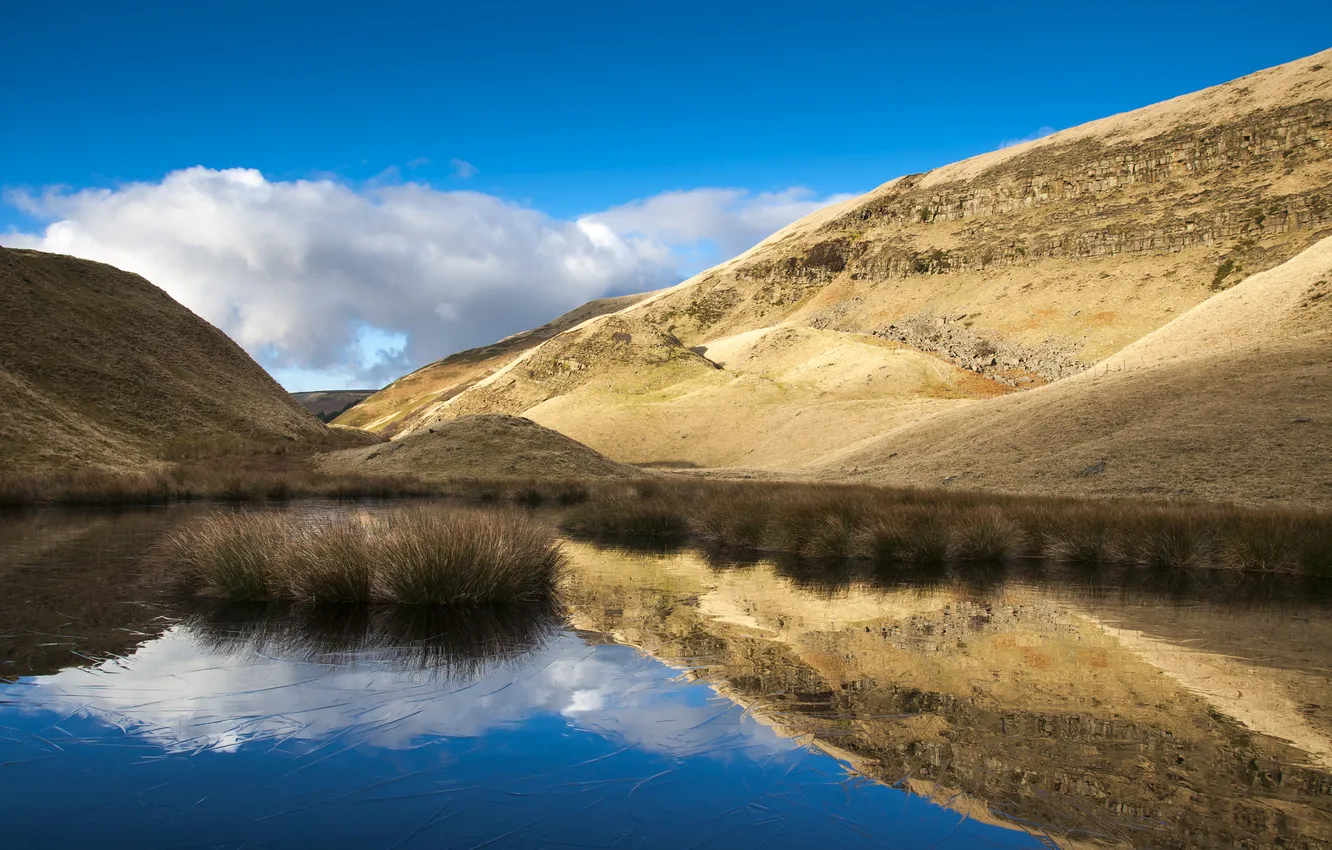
{"points": [[904, 527], [988, 536], [629, 519], [923, 528], [420, 556], [93, 487], [434, 557]]}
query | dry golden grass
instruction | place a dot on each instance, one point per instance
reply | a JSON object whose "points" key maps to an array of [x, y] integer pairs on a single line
{"points": [[1231, 401], [423, 556], [1056, 254], [487, 446]]}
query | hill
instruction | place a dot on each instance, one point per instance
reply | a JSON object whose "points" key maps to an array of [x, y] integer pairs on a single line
{"points": [[327, 405], [101, 368], [1232, 400], [403, 404], [938, 292], [486, 446]]}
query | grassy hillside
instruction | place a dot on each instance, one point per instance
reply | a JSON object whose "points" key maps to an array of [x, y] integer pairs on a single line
{"points": [[329, 404], [101, 368], [941, 292], [489, 446], [1232, 400], [405, 403]]}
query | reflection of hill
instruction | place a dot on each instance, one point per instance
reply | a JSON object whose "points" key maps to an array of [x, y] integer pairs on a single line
{"points": [[1005, 694], [72, 587], [447, 644]]}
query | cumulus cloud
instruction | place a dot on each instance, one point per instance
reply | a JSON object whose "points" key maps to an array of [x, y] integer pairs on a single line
{"points": [[1040, 133], [729, 221], [329, 285]]}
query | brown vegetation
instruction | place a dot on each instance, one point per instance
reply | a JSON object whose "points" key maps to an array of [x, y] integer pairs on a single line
{"points": [[916, 528], [422, 556], [99, 368]]}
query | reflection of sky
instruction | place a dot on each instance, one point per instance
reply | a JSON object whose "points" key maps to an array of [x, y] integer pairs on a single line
{"points": [[576, 744]]}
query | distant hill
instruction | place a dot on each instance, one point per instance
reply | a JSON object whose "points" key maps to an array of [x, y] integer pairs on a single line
{"points": [[101, 368], [960, 288], [328, 405], [486, 446]]}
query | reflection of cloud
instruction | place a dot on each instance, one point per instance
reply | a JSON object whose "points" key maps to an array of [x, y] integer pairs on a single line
{"points": [[187, 699]]}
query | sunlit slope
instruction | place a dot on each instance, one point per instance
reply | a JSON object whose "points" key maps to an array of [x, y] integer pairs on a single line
{"points": [[492, 446], [101, 368], [1232, 400], [401, 406], [775, 397], [1003, 272]]}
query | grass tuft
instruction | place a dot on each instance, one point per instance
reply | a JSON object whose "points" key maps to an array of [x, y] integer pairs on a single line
{"points": [[419, 557], [629, 519], [987, 536], [431, 557]]}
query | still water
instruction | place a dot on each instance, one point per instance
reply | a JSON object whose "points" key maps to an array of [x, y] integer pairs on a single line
{"points": [[671, 702]]}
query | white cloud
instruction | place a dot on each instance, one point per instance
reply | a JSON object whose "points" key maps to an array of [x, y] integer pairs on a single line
{"points": [[1040, 133], [464, 169], [330, 286], [732, 220]]}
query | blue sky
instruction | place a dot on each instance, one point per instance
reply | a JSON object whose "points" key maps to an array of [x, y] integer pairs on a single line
{"points": [[564, 110]]}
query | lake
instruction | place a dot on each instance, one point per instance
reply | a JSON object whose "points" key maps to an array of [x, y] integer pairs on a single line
{"points": [[672, 701]]}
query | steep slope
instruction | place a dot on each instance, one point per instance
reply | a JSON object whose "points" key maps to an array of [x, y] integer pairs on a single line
{"points": [[1232, 400], [101, 368], [487, 446], [1003, 272], [397, 408]]}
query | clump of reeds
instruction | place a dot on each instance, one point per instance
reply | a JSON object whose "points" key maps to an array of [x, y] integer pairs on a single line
{"points": [[987, 535], [235, 556], [461, 557], [929, 528], [421, 556], [628, 519]]}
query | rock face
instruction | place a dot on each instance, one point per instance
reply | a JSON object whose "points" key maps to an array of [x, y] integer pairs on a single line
{"points": [[101, 368], [1015, 269], [1010, 363]]}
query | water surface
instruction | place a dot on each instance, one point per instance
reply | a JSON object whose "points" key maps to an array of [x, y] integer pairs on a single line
{"points": [[672, 702]]}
